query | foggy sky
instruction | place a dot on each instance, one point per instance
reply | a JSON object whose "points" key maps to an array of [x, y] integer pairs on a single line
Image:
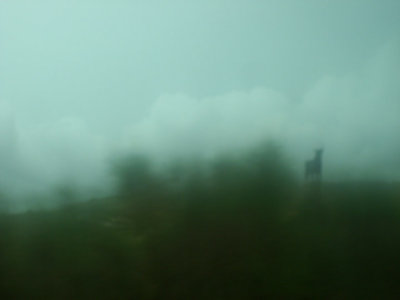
{"points": [[81, 80]]}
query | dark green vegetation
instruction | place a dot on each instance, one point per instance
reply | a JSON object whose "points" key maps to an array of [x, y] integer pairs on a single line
{"points": [[236, 229]]}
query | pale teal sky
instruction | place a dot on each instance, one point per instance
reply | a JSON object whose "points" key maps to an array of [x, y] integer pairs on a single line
{"points": [[107, 61]]}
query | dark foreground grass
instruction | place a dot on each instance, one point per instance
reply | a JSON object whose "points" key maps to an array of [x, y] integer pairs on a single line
{"points": [[242, 229]]}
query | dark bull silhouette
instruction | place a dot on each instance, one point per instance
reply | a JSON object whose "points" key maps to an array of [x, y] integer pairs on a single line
{"points": [[313, 170]]}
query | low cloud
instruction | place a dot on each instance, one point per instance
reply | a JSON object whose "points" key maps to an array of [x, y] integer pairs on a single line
{"points": [[354, 116], [357, 116], [181, 125], [40, 159]]}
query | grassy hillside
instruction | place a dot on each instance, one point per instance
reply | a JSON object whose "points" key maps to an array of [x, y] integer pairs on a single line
{"points": [[236, 229]]}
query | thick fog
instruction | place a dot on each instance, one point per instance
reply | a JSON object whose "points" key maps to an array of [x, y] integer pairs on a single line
{"points": [[84, 81]]}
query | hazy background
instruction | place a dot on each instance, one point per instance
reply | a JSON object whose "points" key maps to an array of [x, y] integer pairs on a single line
{"points": [[81, 81]]}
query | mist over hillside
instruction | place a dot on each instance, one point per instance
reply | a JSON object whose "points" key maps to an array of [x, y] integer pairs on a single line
{"points": [[199, 149], [235, 227], [85, 83]]}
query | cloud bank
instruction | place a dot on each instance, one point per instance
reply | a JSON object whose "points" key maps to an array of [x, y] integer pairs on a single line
{"points": [[354, 116]]}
